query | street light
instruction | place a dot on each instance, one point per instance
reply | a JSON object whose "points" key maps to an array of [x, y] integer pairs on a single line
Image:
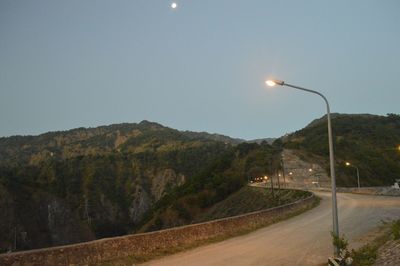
{"points": [[273, 82], [358, 173]]}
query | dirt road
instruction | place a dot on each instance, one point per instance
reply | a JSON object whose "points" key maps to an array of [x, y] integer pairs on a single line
{"points": [[302, 240]]}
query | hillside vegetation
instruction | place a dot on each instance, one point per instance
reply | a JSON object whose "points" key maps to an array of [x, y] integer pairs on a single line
{"points": [[133, 138], [83, 184], [368, 141], [214, 183], [250, 199]]}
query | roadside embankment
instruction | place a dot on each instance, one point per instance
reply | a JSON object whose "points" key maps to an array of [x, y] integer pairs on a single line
{"points": [[383, 249], [389, 254], [141, 247]]}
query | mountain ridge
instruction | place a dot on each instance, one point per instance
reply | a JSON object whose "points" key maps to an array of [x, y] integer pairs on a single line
{"points": [[97, 140]]}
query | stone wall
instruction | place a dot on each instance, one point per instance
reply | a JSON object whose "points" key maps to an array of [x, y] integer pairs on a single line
{"points": [[147, 244], [389, 254]]}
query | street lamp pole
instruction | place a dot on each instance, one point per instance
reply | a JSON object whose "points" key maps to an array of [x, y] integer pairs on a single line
{"points": [[358, 173], [358, 177], [331, 155]]}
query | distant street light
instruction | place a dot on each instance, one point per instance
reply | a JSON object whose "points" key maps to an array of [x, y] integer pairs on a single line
{"points": [[358, 173], [174, 5], [273, 82]]}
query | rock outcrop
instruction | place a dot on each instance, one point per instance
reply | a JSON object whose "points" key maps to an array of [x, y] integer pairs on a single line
{"points": [[36, 220], [302, 173]]}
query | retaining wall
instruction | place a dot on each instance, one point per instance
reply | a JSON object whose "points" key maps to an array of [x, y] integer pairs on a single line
{"points": [[147, 244]]}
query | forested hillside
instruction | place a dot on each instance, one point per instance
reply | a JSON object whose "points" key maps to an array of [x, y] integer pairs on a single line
{"points": [[370, 142], [72, 186], [82, 184], [214, 183]]}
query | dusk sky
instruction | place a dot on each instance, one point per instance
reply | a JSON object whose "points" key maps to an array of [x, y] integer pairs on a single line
{"points": [[199, 67]]}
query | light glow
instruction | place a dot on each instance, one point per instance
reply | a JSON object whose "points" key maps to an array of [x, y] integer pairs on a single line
{"points": [[273, 82], [347, 163], [174, 5], [270, 83]]}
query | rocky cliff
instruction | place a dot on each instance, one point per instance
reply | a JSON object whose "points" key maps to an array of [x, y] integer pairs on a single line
{"points": [[302, 171], [82, 184]]}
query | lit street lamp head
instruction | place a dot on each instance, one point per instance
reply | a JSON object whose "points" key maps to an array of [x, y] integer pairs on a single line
{"points": [[347, 163], [273, 82]]}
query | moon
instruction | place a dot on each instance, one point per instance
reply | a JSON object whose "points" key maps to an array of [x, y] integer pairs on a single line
{"points": [[174, 5]]}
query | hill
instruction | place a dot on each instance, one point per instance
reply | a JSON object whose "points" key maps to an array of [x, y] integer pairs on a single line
{"points": [[259, 141], [126, 137], [87, 183], [82, 184], [368, 141]]}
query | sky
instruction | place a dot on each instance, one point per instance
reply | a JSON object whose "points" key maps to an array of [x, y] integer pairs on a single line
{"points": [[199, 67]]}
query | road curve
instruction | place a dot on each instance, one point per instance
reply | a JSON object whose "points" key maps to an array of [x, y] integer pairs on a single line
{"points": [[301, 240]]}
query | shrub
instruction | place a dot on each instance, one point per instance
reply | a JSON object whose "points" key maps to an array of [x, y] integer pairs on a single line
{"points": [[365, 256], [396, 229], [339, 242]]}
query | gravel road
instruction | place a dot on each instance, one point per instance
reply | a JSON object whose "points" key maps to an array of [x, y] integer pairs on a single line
{"points": [[301, 240]]}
